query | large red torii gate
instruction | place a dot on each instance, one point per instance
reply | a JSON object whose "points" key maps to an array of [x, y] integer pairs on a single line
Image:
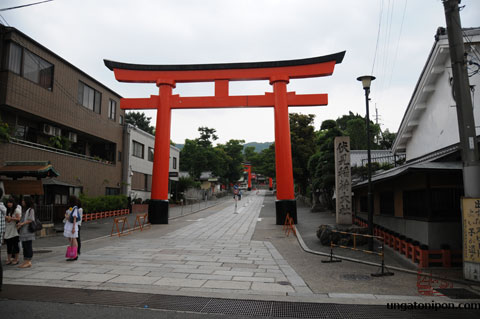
{"points": [[278, 73]]}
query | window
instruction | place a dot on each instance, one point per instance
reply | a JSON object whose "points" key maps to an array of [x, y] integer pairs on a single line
{"points": [[150, 154], [15, 58], [174, 163], [112, 191], [30, 66], [89, 97], [387, 203], [415, 204], [112, 109], [141, 181], [363, 204], [120, 119], [148, 182], [446, 203], [137, 149]]}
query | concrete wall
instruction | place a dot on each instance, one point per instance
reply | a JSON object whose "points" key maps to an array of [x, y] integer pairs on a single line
{"points": [[433, 234]]}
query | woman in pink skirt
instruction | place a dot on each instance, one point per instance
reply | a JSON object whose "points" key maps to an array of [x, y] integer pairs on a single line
{"points": [[70, 229]]}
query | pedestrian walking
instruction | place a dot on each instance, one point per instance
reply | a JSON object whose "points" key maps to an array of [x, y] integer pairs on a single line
{"points": [[14, 214], [79, 222], [70, 229], [3, 211], [26, 235]]}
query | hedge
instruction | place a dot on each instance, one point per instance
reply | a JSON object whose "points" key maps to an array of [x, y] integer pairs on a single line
{"points": [[103, 203]]}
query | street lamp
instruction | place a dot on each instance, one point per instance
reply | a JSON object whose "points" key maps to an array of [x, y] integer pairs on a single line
{"points": [[366, 81]]}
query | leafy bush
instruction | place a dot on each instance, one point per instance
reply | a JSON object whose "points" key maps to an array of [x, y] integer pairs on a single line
{"points": [[103, 203]]}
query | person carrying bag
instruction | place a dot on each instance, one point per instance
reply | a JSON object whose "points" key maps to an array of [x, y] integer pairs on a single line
{"points": [[70, 229], [26, 236]]}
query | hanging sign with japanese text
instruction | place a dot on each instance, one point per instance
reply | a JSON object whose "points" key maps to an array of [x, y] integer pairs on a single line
{"points": [[343, 180]]}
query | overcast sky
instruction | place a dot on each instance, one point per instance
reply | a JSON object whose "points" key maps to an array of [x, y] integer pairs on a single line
{"points": [[84, 32]]}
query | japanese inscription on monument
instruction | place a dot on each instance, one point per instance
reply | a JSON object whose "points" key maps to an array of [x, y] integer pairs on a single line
{"points": [[471, 229], [343, 181]]}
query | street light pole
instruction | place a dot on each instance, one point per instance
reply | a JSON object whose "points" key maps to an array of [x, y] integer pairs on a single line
{"points": [[366, 81]]}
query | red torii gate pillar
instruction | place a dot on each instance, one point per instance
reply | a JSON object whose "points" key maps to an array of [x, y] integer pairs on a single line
{"points": [[278, 73], [248, 169]]}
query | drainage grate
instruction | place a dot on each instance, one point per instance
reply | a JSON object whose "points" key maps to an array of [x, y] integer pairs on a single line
{"points": [[356, 277], [239, 307], [205, 305], [304, 310], [458, 293], [371, 312], [178, 303]]}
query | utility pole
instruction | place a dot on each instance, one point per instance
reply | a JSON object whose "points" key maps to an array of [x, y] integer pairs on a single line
{"points": [[466, 122]]}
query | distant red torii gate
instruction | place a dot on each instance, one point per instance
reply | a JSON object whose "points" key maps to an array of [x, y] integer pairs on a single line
{"points": [[278, 73], [248, 169]]}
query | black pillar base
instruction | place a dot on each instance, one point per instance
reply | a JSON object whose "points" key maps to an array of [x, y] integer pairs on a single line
{"points": [[249, 188], [284, 206], [158, 211]]}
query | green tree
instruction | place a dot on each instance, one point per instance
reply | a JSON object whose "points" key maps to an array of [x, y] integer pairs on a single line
{"points": [[140, 120], [355, 126], [387, 140], [321, 165], [207, 136], [231, 161], [266, 162], [199, 155], [302, 134]]}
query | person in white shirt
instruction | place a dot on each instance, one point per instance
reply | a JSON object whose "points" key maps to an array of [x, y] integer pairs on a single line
{"points": [[14, 214], [3, 212]]}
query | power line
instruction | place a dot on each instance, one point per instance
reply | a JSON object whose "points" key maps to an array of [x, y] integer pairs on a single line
{"points": [[25, 5], [398, 43], [378, 35]]}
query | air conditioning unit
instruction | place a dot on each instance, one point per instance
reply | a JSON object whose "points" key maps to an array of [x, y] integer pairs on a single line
{"points": [[72, 137], [48, 129], [57, 131]]}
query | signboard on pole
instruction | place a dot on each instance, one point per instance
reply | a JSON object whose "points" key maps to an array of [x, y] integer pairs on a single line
{"points": [[471, 237], [343, 181]]}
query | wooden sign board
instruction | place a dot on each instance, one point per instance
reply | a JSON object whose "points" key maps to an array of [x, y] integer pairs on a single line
{"points": [[471, 238]]}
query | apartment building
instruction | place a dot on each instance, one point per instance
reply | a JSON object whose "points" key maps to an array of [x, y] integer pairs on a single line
{"points": [[139, 145], [59, 114]]}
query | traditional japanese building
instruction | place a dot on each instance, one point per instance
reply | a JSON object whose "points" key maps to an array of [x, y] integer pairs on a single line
{"points": [[420, 199]]}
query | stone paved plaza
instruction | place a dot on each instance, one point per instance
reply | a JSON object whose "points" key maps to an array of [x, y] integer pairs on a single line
{"points": [[211, 255]]}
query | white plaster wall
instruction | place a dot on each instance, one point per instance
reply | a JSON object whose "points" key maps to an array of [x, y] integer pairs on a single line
{"points": [[438, 127], [138, 164], [144, 166], [174, 152]]}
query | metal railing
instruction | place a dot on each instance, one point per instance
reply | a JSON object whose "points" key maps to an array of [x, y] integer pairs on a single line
{"points": [[57, 150], [395, 159], [44, 213]]}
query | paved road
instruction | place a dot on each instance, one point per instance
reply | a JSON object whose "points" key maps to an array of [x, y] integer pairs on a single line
{"points": [[219, 254], [214, 254]]}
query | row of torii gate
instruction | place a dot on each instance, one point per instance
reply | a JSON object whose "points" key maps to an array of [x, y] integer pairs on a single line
{"points": [[278, 73]]}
